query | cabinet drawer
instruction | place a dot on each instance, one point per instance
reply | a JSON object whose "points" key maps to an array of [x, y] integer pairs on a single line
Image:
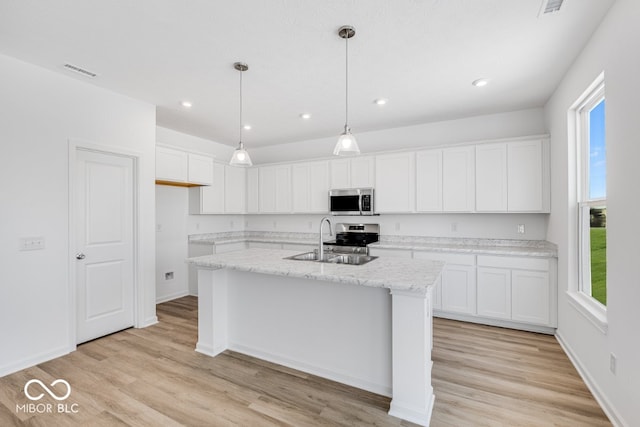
{"points": [[540, 264], [449, 258]]}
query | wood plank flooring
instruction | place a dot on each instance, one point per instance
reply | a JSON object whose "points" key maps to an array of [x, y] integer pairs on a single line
{"points": [[482, 376]]}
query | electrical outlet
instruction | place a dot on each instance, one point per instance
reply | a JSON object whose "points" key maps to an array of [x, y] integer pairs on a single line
{"points": [[520, 228], [168, 276], [31, 243], [613, 363], [275, 224], [310, 225], [158, 227], [231, 224], [397, 226], [454, 227], [197, 226]]}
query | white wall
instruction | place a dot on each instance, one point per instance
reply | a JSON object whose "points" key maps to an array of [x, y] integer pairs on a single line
{"points": [[488, 226], [39, 112], [613, 48], [478, 128]]}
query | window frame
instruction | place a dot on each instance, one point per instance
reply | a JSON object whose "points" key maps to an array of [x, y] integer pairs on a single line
{"points": [[581, 297]]}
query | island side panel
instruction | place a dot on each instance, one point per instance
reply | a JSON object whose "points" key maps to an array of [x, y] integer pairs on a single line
{"points": [[335, 330], [212, 311], [412, 340]]}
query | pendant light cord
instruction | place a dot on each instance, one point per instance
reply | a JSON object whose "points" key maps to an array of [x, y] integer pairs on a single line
{"points": [[241, 108], [346, 79]]}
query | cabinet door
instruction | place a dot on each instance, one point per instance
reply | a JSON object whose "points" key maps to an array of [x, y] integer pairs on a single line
{"points": [[235, 187], [395, 183], [171, 165], [429, 181], [494, 292], [267, 186], [362, 172], [525, 176], [283, 189], [491, 178], [200, 169], [458, 188], [300, 188], [212, 197], [459, 289], [340, 173], [530, 297], [252, 190], [318, 187]]}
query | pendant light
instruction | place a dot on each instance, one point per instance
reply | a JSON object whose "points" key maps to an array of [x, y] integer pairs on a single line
{"points": [[240, 156], [347, 144]]}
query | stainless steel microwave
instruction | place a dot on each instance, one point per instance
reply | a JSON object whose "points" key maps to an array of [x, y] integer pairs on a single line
{"points": [[352, 201]]}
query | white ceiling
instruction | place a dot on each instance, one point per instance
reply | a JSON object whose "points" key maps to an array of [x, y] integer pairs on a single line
{"points": [[420, 54]]}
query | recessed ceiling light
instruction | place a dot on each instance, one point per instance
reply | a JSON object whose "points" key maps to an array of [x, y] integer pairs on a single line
{"points": [[247, 127], [380, 101], [305, 116], [187, 104], [480, 82]]}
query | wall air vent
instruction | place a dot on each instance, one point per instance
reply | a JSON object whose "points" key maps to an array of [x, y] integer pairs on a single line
{"points": [[549, 6], [79, 70]]}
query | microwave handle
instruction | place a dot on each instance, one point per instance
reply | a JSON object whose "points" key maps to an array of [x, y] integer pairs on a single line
{"points": [[360, 202]]}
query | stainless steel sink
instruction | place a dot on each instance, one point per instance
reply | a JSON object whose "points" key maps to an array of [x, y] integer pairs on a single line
{"points": [[351, 259]]}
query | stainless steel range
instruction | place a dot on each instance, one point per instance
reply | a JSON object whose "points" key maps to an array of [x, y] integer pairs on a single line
{"points": [[353, 238]]}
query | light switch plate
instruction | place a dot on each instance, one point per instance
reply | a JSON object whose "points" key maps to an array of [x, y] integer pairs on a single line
{"points": [[31, 243]]}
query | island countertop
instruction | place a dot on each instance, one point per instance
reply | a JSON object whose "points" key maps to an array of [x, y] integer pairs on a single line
{"points": [[393, 273]]}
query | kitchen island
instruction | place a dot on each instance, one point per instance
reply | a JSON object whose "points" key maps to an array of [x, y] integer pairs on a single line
{"points": [[368, 326]]}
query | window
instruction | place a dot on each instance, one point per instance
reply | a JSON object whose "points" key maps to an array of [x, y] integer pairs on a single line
{"points": [[592, 194]]}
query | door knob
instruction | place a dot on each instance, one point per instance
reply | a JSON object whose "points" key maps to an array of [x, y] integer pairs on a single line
{"points": [[80, 255]]}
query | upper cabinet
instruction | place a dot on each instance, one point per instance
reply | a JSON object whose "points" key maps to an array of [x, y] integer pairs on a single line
{"points": [[395, 183], [253, 181], [310, 187], [178, 167], [275, 189], [226, 194], [445, 180], [512, 176], [355, 172]]}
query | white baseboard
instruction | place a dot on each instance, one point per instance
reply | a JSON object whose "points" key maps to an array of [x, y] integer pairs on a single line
{"points": [[600, 397], [495, 322], [312, 369], [33, 361], [175, 295], [148, 322]]}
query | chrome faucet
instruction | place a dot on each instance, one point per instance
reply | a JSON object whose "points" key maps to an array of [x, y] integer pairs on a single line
{"points": [[321, 243]]}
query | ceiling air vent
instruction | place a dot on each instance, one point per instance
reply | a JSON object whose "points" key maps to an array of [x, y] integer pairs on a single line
{"points": [[79, 70], [549, 6]]}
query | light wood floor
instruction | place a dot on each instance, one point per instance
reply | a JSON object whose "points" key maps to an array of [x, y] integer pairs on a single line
{"points": [[152, 377]]}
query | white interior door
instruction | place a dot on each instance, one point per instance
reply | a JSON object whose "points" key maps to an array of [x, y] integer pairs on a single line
{"points": [[104, 244]]}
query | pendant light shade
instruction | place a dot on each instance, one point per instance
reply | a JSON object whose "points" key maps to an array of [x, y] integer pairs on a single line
{"points": [[240, 156], [347, 144]]}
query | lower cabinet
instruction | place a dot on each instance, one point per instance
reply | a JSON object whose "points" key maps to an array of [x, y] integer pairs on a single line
{"points": [[456, 291], [516, 289]]}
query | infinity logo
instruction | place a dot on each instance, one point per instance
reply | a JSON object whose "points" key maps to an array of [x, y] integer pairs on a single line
{"points": [[47, 389]]}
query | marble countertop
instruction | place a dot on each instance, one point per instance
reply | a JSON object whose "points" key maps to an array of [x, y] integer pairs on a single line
{"points": [[506, 247], [393, 273]]}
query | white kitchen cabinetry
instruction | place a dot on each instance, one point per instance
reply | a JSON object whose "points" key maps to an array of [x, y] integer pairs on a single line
{"points": [[528, 176], [209, 200], [310, 187], [275, 189], [395, 183], [458, 287], [491, 178], [494, 292], [253, 183], [235, 189], [358, 172], [225, 195], [429, 181], [517, 289], [458, 179], [179, 167], [512, 177]]}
